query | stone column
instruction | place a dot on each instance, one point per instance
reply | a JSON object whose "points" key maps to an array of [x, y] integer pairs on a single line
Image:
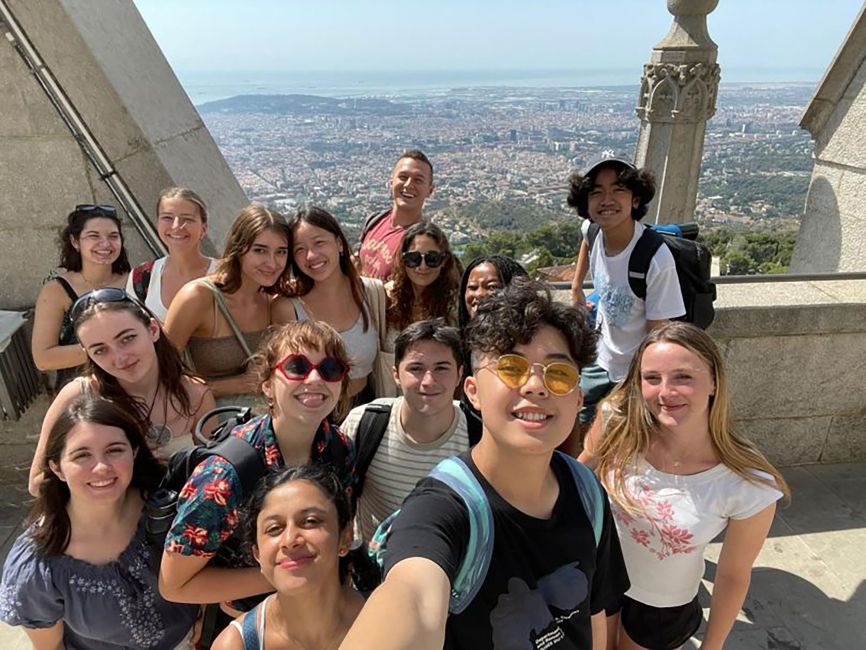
{"points": [[677, 97]]}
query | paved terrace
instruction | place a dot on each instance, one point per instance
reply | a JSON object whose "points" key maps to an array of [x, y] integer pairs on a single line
{"points": [[808, 587]]}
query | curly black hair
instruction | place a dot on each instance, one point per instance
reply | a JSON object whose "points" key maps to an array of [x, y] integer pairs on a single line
{"points": [[640, 182], [514, 315]]}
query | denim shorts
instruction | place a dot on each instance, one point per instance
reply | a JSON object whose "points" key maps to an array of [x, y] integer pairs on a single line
{"points": [[595, 384]]}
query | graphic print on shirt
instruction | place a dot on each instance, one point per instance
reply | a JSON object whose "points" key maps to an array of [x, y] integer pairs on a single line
{"points": [[616, 302], [522, 618], [653, 528]]}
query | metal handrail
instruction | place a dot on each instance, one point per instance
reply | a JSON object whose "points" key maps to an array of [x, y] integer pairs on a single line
{"points": [[19, 40]]}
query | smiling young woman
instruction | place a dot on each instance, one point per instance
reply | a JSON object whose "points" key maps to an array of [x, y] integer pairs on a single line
{"points": [[298, 523], [221, 319], [678, 475], [326, 287], [181, 221], [80, 575], [132, 363], [303, 372], [93, 256]]}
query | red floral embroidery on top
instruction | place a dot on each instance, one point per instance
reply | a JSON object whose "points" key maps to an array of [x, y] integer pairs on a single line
{"points": [[653, 528]]}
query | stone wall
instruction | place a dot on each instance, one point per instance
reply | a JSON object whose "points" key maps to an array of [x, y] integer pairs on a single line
{"points": [[795, 353], [107, 62]]}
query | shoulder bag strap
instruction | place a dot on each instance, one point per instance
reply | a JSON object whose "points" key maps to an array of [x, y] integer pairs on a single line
{"points": [[592, 235], [224, 310], [476, 560], [591, 495], [640, 259], [371, 430]]}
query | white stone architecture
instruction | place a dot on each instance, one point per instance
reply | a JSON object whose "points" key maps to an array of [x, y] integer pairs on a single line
{"points": [[833, 229], [96, 67], [677, 97]]}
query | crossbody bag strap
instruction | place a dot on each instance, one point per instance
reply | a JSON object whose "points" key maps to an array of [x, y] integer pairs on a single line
{"points": [[224, 310]]}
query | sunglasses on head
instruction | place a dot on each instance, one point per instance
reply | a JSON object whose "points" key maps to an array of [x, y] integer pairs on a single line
{"points": [[105, 294], [103, 209], [513, 370], [297, 367], [431, 258]]}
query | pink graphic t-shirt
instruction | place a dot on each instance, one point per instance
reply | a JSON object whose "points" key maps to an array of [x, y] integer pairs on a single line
{"points": [[663, 543], [379, 249]]}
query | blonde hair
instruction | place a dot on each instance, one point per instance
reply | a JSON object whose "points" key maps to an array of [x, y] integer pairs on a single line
{"points": [[295, 337], [630, 425], [185, 194]]}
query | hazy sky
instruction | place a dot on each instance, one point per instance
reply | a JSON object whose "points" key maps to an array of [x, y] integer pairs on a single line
{"points": [[482, 34]]}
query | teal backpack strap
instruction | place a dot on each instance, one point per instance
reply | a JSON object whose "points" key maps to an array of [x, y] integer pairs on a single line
{"points": [[454, 473], [591, 494], [476, 561]]}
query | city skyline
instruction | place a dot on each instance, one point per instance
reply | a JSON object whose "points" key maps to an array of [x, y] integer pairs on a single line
{"points": [[781, 40]]}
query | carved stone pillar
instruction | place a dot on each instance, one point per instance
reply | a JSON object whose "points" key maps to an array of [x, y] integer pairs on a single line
{"points": [[677, 97]]}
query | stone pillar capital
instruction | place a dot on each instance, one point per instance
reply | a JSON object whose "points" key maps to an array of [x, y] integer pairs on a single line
{"points": [[678, 92]]}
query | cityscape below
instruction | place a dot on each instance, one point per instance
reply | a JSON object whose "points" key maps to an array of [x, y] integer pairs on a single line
{"points": [[502, 152]]}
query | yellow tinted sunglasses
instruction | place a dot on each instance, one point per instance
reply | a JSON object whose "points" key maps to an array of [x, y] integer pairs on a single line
{"points": [[513, 370]]}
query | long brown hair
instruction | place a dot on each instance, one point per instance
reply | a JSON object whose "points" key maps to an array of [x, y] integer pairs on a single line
{"points": [[630, 424], [439, 299], [171, 368], [52, 528], [251, 222], [302, 283]]}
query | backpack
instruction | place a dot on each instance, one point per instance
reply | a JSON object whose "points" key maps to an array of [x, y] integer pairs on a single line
{"points": [[161, 504], [371, 221], [371, 430], [692, 260], [479, 550], [141, 280]]}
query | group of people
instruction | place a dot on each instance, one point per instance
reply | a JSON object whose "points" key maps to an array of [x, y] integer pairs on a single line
{"points": [[412, 418]]}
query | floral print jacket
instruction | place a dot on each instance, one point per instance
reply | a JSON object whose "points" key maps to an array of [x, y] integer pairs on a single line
{"points": [[207, 507]]}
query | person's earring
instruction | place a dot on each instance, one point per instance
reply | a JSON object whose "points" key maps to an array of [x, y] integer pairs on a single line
{"points": [[343, 552]]}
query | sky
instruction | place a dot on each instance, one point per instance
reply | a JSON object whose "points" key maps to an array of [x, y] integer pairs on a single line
{"points": [[303, 35]]}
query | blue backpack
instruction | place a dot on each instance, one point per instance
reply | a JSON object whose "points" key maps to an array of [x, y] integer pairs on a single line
{"points": [[473, 569]]}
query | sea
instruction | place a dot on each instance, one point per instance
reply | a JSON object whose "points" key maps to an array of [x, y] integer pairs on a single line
{"points": [[205, 86]]}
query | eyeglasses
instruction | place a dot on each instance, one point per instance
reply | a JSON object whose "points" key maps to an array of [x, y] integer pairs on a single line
{"points": [[513, 370], [107, 210], [432, 258], [296, 367], [105, 294]]}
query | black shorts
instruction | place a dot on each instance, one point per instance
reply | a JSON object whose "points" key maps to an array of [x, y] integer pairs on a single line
{"points": [[660, 628]]}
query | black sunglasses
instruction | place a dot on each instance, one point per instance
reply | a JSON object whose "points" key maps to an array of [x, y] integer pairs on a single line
{"points": [[105, 294], [103, 209], [432, 259]]}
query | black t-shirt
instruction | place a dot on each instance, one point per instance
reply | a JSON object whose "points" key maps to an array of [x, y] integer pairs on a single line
{"points": [[546, 576]]}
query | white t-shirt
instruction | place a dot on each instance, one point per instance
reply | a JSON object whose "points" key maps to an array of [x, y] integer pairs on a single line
{"points": [[663, 545], [400, 462], [153, 301], [622, 316]]}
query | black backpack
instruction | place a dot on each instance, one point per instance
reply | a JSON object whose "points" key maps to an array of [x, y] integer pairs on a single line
{"points": [[371, 221], [371, 430], [692, 260], [161, 504]]}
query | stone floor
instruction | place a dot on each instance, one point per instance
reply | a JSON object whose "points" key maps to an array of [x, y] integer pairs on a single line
{"points": [[808, 588]]}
